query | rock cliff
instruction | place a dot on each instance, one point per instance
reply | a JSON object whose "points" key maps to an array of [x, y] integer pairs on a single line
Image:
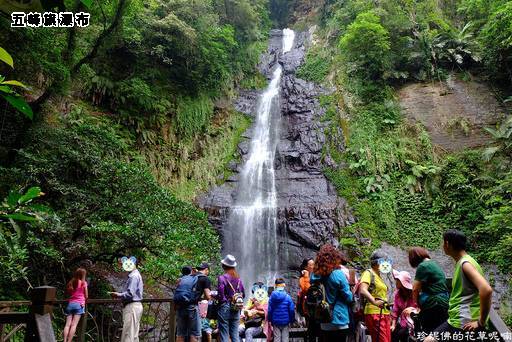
{"points": [[309, 211]]}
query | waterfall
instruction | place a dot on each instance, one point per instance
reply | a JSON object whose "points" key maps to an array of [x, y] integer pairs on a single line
{"points": [[251, 232]]}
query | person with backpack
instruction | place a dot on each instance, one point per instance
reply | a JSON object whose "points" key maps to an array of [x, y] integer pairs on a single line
{"points": [[471, 296], [429, 289], [281, 311], [329, 296], [375, 293], [231, 296], [190, 289], [78, 293]]}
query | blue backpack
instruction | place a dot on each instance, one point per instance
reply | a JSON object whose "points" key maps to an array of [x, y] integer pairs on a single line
{"points": [[186, 292]]}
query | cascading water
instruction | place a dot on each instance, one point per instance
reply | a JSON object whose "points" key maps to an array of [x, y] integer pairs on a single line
{"points": [[251, 233]]}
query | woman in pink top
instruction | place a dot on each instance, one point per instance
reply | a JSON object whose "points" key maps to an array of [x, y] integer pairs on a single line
{"points": [[403, 301], [77, 290]]}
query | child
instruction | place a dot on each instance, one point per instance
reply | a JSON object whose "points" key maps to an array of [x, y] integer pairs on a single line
{"points": [[281, 311], [205, 322], [77, 289]]}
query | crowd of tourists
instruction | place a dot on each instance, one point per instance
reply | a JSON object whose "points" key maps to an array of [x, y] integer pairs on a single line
{"points": [[387, 304], [405, 309]]}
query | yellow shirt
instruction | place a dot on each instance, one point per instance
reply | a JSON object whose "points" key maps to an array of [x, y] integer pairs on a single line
{"points": [[380, 291]]}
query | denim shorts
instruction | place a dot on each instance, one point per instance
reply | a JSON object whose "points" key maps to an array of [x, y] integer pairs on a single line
{"points": [[188, 321], [74, 309]]}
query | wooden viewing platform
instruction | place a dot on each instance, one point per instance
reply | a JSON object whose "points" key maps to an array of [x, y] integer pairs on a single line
{"points": [[103, 319]]}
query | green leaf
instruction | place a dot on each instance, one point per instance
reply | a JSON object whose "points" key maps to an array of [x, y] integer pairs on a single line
{"points": [[39, 208], [20, 104], [5, 89], [31, 193], [87, 3], [489, 152], [12, 198], [15, 83], [20, 217], [5, 57]]}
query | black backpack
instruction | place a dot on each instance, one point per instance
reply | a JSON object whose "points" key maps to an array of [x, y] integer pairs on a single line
{"points": [[319, 310]]}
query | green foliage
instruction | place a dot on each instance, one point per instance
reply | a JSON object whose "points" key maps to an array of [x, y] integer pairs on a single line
{"points": [[502, 137], [317, 65], [193, 115], [413, 40], [366, 46], [479, 10], [494, 233], [417, 226], [192, 166], [398, 188], [254, 82], [496, 38], [6, 58], [18, 216], [8, 93], [139, 61], [280, 10], [107, 204]]}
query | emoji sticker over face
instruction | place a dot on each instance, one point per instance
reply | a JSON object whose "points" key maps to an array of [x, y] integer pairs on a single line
{"points": [[260, 292], [385, 266], [129, 263]]}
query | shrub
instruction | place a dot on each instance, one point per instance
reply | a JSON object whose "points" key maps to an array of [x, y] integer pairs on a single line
{"points": [[193, 115], [317, 65], [107, 203], [496, 38], [366, 46]]}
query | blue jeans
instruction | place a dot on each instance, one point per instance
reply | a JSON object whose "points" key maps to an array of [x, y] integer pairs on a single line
{"points": [[228, 323], [74, 309], [251, 333], [188, 321]]}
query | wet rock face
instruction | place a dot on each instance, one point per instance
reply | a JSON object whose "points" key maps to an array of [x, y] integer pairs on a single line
{"points": [[454, 112], [309, 212]]}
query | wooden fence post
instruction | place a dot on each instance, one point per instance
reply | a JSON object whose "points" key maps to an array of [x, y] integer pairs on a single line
{"points": [[39, 326], [172, 322], [82, 326]]}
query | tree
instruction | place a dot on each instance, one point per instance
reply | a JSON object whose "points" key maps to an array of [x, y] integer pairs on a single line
{"points": [[496, 38], [366, 46], [68, 54]]}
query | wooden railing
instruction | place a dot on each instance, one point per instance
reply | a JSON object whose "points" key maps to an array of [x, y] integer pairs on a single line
{"points": [[39, 319], [42, 317]]}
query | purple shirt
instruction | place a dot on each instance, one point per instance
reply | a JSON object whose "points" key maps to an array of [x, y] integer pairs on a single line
{"points": [[225, 291]]}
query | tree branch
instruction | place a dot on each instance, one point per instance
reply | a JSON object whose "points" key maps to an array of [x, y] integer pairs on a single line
{"points": [[67, 56], [99, 41]]}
